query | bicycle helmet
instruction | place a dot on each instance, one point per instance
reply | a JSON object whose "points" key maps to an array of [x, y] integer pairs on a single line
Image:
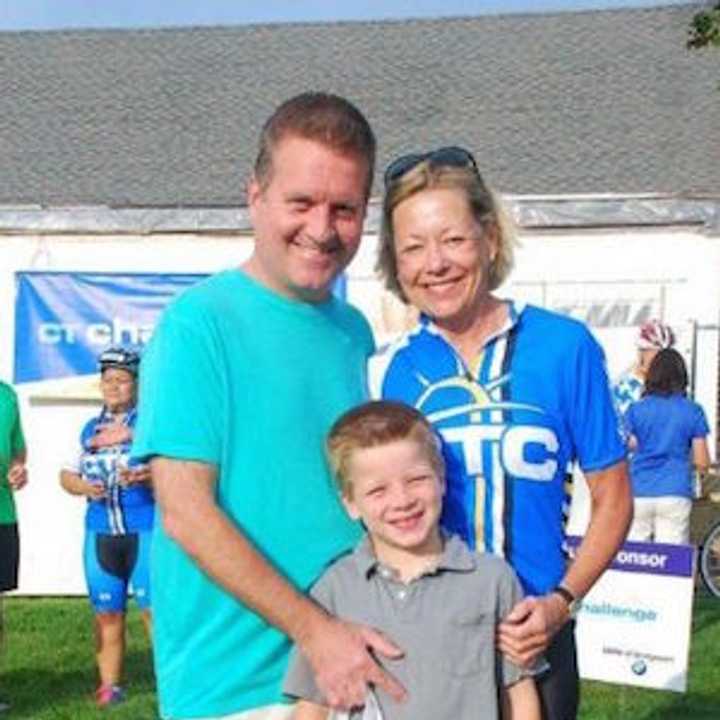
{"points": [[654, 335], [120, 357]]}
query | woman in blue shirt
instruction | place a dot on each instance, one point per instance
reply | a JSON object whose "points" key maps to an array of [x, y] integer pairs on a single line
{"points": [[668, 436]]}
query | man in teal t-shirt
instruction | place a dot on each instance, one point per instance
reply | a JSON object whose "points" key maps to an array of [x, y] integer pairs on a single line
{"points": [[244, 375], [13, 476]]}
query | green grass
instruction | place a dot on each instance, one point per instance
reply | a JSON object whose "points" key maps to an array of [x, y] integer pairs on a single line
{"points": [[49, 671], [601, 701]]}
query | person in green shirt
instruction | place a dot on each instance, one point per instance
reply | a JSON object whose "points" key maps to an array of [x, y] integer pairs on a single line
{"points": [[13, 476]]}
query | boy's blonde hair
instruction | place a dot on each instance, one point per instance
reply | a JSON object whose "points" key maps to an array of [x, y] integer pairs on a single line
{"points": [[376, 423]]}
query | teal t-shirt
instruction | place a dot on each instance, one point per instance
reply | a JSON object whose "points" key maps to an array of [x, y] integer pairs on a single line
{"points": [[12, 443], [241, 378]]}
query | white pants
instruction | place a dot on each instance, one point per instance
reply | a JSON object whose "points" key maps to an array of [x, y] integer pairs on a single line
{"points": [[661, 519], [267, 712]]}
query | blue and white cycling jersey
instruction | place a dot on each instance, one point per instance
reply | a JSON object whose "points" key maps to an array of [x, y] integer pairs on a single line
{"points": [[124, 509], [626, 391], [536, 399]]}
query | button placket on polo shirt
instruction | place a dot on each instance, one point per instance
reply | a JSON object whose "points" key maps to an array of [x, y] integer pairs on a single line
{"points": [[398, 589]]}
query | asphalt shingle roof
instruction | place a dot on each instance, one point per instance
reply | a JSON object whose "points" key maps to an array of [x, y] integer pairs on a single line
{"points": [[587, 102]]}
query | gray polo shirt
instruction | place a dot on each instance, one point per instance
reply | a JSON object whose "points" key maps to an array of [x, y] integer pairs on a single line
{"points": [[444, 621]]}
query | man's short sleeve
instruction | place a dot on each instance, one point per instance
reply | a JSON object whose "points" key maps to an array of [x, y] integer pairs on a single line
{"points": [[592, 418], [181, 404]]}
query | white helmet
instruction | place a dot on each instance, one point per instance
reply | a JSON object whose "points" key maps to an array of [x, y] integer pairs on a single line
{"points": [[654, 335]]}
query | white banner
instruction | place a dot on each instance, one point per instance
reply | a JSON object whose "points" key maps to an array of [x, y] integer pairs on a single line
{"points": [[633, 627]]}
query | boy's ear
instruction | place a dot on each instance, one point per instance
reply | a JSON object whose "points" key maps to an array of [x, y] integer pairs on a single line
{"points": [[350, 506]]}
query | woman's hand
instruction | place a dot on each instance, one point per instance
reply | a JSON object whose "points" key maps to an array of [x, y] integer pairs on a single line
{"points": [[530, 626], [76, 484], [139, 474], [112, 434], [94, 491]]}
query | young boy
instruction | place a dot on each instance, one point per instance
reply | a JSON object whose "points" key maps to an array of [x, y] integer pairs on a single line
{"points": [[428, 593]]}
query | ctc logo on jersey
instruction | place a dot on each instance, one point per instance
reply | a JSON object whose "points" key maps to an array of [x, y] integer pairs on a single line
{"points": [[525, 449]]}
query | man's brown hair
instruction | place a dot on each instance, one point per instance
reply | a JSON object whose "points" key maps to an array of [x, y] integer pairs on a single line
{"points": [[328, 119]]}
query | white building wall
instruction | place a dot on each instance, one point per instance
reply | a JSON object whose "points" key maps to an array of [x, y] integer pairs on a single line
{"points": [[610, 279], [51, 521]]}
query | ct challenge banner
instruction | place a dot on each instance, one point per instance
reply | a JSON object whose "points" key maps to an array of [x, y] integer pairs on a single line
{"points": [[633, 627], [63, 320]]}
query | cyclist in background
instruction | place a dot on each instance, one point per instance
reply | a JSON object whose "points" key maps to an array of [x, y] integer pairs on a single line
{"points": [[653, 337], [119, 517]]}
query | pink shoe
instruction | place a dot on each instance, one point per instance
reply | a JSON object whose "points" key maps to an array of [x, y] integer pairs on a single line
{"points": [[107, 695]]}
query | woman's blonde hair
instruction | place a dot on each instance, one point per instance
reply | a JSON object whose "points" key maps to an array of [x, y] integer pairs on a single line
{"points": [[484, 204]]}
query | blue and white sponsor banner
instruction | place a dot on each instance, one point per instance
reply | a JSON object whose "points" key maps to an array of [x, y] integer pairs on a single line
{"points": [[633, 627], [63, 320]]}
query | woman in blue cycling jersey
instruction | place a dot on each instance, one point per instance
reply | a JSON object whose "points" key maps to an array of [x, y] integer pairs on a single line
{"points": [[119, 516], [516, 392]]}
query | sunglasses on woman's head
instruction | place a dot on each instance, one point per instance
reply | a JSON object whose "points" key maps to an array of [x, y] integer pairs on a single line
{"points": [[451, 156]]}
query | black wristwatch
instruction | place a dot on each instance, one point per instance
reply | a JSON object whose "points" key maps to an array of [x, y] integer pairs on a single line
{"points": [[572, 602]]}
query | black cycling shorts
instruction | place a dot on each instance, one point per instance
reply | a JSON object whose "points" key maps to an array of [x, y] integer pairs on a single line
{"points": [[9, 556]]}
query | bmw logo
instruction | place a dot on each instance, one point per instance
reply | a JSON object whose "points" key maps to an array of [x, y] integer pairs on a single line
{"points": [[639, 667]]}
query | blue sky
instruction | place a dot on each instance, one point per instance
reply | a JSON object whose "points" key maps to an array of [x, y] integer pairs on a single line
{"points": [[52, 14]]}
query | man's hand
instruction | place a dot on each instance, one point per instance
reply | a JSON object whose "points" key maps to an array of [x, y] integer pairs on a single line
{"points": [[530, 626], [17, 476], [339, 653]]}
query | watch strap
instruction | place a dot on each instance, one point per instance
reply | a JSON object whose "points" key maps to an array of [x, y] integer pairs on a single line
{"points": [[572, 602], [565, 594]]}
